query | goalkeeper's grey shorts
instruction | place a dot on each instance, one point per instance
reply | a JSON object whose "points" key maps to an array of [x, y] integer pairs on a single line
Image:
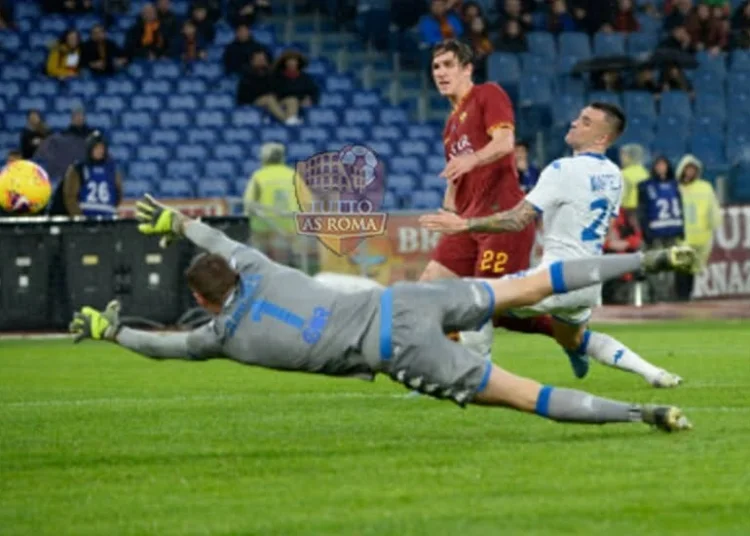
{"points": [[414, 348]]}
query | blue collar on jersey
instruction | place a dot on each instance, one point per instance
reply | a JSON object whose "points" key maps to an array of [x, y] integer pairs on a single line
{"points": [[598, 156]]}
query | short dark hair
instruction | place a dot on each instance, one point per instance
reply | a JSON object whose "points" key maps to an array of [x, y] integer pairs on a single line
{"points": [[615, 116], [463, 52], [211, 276]]}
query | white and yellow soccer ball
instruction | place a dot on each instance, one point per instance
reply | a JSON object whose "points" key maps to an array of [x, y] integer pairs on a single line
{"points": [[24, 187]]}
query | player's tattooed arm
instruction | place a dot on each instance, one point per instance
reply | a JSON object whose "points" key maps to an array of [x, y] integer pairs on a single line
{"points": [[510, 221]]}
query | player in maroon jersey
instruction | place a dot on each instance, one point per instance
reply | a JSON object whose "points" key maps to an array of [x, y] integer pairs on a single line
{"points": [[482, 179]]}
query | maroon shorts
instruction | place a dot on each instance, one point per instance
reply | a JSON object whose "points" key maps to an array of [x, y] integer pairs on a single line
{"points": [[485, 255]]}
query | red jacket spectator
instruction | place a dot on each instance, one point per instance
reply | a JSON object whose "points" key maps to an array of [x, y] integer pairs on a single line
{"points": [[625, 20]]}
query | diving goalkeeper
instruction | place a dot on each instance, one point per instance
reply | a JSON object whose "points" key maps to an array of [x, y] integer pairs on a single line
{"points": [[272, 316]]}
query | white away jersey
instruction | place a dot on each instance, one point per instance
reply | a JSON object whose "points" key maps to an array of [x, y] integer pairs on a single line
{"points": [[578, 197]]}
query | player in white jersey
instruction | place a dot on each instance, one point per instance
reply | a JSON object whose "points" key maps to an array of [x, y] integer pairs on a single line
{"points": [[577, 198]]}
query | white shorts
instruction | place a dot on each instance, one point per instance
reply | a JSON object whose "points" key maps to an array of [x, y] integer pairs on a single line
{"points": [[572, 308]]}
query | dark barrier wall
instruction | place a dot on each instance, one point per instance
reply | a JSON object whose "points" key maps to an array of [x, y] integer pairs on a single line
{"points": [[48, 269]]}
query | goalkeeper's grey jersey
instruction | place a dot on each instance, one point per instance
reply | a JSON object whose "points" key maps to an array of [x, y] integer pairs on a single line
{"points": [[281, 318]]}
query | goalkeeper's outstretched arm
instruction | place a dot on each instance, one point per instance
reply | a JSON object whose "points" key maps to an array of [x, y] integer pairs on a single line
{"points": [[198, 344]]}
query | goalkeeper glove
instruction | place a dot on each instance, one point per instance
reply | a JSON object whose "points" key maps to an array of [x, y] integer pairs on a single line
{"points": [[92, 324], [157, 219]]}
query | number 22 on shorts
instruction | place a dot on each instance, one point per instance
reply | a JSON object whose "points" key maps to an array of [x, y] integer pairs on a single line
{"points": [[493, 261]]}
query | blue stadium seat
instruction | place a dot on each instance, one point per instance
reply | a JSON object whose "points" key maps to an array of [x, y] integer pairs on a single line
{"points": [[15, 121], [675, 103], [414, 147], [137, 70], [534, 64], [191, 152], [542, 44], [738, 147], [156, 87], [423, 132], [322, 117], [332, 100], [182, 102], [503, 68], [141, 120], [203, 135], [565, 65], [706, 104], [246, 117], [389, 202], [400, 183], [641, 121], [297, 151], [639, 102], [229, 151], [153, 152], [238, 135], [738, 82], [209, 71], [183, 169], [125, 137], [219, 102], [433, 181], [165, 69], [366, 98], [213, 188], [739, 104], [606, 96], [170, 137], [47, 88], [24, 104], [107, 103], [56, 121], [349, 134], [575, 44], [135, 188], [239, 186], [10, 89], [535, 89], [673, 126], [708, 149], [708, 83], [739, 188], [250, 166], [359, 117], [387, 133], [42, 40], [609, 44], [641, 136], [174, 119], [146, 102], [121, 153], [426, 200], [83, 88], [672, 148], [101, 120], [67, 104], [53, 23], [739, 61], [121, 86], [192, 86], [382, 148], [222, 169], [715, 64], [10, 41], [406, 164], [566, 108], [642, 43], [339, 83], [146, 170], [275, 133], [175, 188], [316, 134], [435, 164]]}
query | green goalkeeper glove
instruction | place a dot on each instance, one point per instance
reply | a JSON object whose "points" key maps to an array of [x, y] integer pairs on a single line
{"points": [[92, 324], [157, 219]]}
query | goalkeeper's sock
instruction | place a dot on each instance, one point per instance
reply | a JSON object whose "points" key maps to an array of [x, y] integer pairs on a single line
{"points": [[580, 273], [609, 351], [569, 405]]}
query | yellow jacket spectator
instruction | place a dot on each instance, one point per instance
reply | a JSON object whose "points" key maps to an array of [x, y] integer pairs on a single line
{"points": [[64, 60], [702, 218], [272, 187], [634, 172]]}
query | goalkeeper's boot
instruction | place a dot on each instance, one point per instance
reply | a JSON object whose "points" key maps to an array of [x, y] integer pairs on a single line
{"points": [[666, 418], [666, 379], [677, 258], [578, 362]]}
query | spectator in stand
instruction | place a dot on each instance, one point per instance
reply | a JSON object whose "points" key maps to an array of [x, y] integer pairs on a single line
{"points": [[559, 19], [169, 23], [645, 80], [624, 20], [439, 24], [33, 134], [591, 15], [246, 11], [64, 60], [295, 88], [78, 126], [528, 173], [677, 14], [405, 14], [673, 79], [213, 7], [706, 32], [609, 80], [469, 11], [623, 237], [512, 38], [702, 218], [145, 38], [660, 217], [68, 7], [513, 10], [238, 52], [7, 15], [479, 40], [189, 46], [632, 157], [679, 40], [203, 25], [741, 26], [100, 55], [258, 86]]}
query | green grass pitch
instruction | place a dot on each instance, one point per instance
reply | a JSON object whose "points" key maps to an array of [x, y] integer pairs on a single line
{"points": [[94, 441]]}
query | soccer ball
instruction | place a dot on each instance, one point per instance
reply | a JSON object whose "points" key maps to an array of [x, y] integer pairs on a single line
{"points": [[360, 161], [24, 187]]}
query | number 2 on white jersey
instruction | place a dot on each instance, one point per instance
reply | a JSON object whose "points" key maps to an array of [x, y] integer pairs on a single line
{"points": [[98, 193], [595, 231]]}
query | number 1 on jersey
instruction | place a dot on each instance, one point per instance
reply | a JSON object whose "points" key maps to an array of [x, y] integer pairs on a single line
{"points": [[595, 231]]}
